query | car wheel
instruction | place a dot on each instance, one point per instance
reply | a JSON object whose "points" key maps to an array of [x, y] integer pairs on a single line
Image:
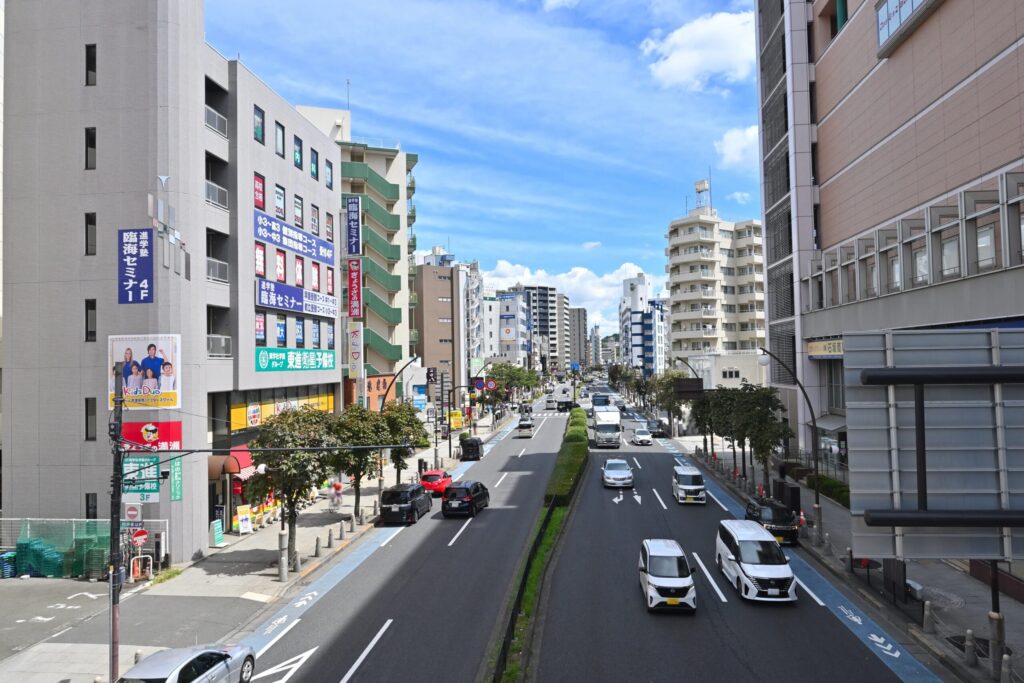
{"points": [[248, 667], [472, 510]]}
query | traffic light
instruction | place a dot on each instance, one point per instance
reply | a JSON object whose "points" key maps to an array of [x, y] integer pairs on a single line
{"points": [[431, 375]]}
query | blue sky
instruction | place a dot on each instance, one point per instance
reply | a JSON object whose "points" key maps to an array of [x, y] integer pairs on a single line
{"points": [[557, 138]]}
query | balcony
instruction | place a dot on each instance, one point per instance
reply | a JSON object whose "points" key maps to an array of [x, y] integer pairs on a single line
{"points": [[414, 299], [693, 237], [382, 346], [216, 195], [412, 269], [412, 215], [699, 255], [391, 252], [216, 271], [218, 346], [699, 314], [387, 313], [412, 243], [376, 272], [215, 121], [750, 297], [410, 186], [694, 276], [696, 294], [749, 260], [359, 170]]}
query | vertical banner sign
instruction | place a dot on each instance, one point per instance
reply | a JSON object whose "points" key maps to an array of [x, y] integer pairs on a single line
{"points": [[177, 480], [356, 359], [355, 288], [353, 230], [135, 266]]}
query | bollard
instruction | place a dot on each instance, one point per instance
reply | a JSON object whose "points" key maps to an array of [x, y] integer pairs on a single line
{"points": [[282, 560], [970, 649], [827, 547], [996, 639], [375, 508], [849, 558], [362, 517], [341, 531], [352, 523], [138, 656], [928, 620], [298, 563], [1006, 675], [330, 538], [316, 548]]}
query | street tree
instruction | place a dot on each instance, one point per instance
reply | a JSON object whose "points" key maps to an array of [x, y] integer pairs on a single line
{"points": [[403, 427], [665, 396], [700, 413], [767, 430], [723, 415], [357, 426], [291, 474]]}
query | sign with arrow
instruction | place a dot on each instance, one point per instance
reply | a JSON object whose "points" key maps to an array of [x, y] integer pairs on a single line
{"points": [[884, 646]]}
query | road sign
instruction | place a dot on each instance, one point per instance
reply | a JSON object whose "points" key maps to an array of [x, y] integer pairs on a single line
{"points": [[139, 537], [479, 384], [491, 385], [133, 513], [125, 524], [141, 474], [431, 375]]}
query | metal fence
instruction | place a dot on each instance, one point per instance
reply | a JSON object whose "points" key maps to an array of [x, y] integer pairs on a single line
{"points": [[829, 464], [71, 547]]}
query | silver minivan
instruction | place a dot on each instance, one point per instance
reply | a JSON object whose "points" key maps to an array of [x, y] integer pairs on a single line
{"points": [[688, 485]]}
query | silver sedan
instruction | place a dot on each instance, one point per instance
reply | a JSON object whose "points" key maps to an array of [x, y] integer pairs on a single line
{"points": [[210, 664], [617, 472]]}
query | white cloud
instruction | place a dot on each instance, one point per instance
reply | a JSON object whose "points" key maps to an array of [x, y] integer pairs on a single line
{"points": [[587, 246], [739, 197], [737, 149], [714, 46], [559, 4]]}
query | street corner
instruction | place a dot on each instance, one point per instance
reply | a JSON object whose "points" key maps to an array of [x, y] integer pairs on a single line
{"points": [[37, 608]]}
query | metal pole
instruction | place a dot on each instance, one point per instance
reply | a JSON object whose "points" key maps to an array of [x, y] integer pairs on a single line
{"points": [[384, 396], [922, 471], [116, 484], [994, 568]]}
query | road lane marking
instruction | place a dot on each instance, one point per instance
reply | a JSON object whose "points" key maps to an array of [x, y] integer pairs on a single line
{"points": [[369, 647], [388, 539], [708, 575], [452, 542], [457, 477], [59, 633], [639, 466], [521, 453], [717, 501], [659, 499], [539, 427], [501, 480], [809, 591], [276, 638]]}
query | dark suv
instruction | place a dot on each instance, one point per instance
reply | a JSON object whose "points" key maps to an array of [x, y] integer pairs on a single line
{"points": [[465, 498], [656, 428], [405, 503], [775, 517], [472, 448]]}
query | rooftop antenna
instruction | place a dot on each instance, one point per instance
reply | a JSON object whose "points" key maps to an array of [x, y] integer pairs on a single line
{"points": [[348, 94]]}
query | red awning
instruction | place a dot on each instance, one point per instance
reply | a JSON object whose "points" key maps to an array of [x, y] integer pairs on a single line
{"points": [[238, 463], [243, 457]]}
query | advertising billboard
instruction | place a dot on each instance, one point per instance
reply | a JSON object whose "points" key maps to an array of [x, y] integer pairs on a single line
{"points": [[355, 349], [142, 436], [353, 225], [295, 299], [135, 266], [278, 360], [355, 288], [266, 228], [149, 368]]}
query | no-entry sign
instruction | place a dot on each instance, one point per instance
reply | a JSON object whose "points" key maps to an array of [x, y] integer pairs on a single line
{"points": [[133, 513], [139, 538]]}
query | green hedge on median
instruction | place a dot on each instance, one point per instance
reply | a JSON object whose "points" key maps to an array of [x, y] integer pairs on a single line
{"points": [[833, 488], [568, 467], [575, 434]]}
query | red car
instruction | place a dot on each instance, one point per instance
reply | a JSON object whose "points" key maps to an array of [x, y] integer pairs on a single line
{"points": [[436, 481]]}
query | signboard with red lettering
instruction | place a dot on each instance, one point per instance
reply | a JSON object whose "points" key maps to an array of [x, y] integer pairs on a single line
{"points": [[355, 288], [161, 436]]}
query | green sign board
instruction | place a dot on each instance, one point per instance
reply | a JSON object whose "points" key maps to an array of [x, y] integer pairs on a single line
{"points": [[177, 479], [147, 476], [277, 360], [218, 533]]}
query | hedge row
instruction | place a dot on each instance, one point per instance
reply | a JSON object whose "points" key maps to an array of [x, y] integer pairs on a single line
{"points": [[575, 434], [571, 459], [833, 488]]}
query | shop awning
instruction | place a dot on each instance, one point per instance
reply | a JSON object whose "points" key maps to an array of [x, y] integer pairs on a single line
{"points": [[244, 458], [831, 423], [238, 462]]}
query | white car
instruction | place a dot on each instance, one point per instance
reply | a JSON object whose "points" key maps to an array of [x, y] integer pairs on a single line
{"points": [[665, 578], [617, 472], [753, 562], [688, 485], [642, 437]]}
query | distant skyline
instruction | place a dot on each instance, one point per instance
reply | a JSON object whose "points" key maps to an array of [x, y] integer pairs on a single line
{"points": [[557, 138]]}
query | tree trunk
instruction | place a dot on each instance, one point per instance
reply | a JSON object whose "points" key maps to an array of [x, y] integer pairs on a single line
{"points": [[743, 448], [357, 485]]}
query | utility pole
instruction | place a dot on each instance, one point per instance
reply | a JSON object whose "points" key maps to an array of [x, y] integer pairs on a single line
{"points": [[116, 485]]}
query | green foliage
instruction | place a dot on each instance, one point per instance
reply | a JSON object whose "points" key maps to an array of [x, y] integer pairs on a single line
{"points": [[403, 426], [509, 378], [578, 413], [576, 434], [463, 436], [833, 488], [569, 463], [358, 426]]}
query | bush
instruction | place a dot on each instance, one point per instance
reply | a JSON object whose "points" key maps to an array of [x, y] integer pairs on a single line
{"points": [[578, 413], [833, 488], [575, 435], [463, 436], [572, 458], [573, 422]]}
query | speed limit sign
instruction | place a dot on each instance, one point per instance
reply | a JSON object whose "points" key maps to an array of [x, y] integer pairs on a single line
{"points": [[491, 385]]}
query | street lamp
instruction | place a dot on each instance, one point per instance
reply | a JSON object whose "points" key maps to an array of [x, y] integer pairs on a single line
{"points": [[398, 374], [763, 360]]}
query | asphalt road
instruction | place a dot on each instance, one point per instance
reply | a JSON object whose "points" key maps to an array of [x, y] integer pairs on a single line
{"points": [[595, 625], [424, 604]]}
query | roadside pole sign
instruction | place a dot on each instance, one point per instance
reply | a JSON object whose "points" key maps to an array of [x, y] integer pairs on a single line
{"points": [[126, 525], [491, 385], [139, 537], [479, 385], [141, 479], [133, 512]]}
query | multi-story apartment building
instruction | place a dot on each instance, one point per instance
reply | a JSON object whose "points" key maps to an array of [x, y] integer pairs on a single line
{"points": [[578, 337], [636, 293], [893, 178], [472, 306], [439, 318], [594, 347], [513, 329], [549, 314], [202, 273], [489, 321]]}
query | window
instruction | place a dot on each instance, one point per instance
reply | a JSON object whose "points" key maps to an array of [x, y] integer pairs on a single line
{"points": [[986, 248], [300, 271], [297, 211], [329, 174], [258, 122], [261, 260], [90, 234], [330, 335], [730, 373], [329, 227], [261, 328], [297, 151], [951, 255], [282, 331], [330, 280], [91, 507], [920, 258], [314, 164], [314, 219], [90, 320], [835, 389], [90, 419], [314, 334], [300, 333], [259, 191], [90, 149], [279, 139], [281, 267], [90, 65], [279, 202], [314, 276]]}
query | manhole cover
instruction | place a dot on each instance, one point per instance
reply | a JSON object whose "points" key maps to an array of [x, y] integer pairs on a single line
{"points": [[943, 599], [982, 645]]}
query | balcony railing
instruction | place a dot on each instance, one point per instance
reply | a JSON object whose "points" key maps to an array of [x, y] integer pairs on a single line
{"points": [[218, 346], [414, 299], [216, 271], [216, 195], [216, 121]]}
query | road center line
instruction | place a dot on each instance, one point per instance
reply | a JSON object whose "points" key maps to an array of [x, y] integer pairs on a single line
{"points": [[708, 575], [521, 453], [809, 592], [638, 465], [659, 499], [459, 476], [388, 539], [279, 636], [501, 480], [452, 542], [716, 500], [369, 647]]}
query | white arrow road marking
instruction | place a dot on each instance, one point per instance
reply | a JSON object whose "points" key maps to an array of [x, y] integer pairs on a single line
{"points": [[879, 642], [388, 539], [501, 480], [717, 501], [656, 495], [306, 599], [618, 498], [42, 619], [639, 466], [850, 615], [521, 453], [276, 638], [636, 497], [708, 575], [352, 671], [91, 596], [809, 592], [288, 667], [452, 542]]}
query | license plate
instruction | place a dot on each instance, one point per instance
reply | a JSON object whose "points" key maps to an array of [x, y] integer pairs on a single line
{"points": [[780, 539], [455, 503], [689, 499], [394, 508], [773, 591], [672, 601]]}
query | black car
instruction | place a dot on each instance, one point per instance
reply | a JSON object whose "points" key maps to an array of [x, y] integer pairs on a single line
{"points": [[465, 498], [525, 409], [656, 428], [472, 448], [775, 517], [405, 503]]}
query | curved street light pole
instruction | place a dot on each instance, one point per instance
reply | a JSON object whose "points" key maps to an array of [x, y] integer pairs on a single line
{"points": [[384, 396], [818, 526], [711, 426]]}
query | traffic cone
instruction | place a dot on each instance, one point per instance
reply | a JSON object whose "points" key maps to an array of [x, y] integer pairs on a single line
{"points": [[803, 520]]}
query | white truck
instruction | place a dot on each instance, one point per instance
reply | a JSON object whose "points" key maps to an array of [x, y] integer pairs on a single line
{"points": [[607, 427]]}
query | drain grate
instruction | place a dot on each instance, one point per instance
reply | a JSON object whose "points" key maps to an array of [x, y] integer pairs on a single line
{"points": [[982, 645]]}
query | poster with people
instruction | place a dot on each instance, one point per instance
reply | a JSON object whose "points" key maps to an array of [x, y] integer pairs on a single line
{"points": [[149, 369]]}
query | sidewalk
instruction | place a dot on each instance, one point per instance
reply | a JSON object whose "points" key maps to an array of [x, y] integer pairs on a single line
{"points": [[959, 601]]}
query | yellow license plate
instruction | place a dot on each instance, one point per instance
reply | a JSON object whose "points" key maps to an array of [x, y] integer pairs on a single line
{"points": [[672, 601], [689, 499], [780, 539]]}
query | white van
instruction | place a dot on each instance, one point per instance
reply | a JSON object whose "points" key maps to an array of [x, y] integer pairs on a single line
{"points": [[753, 562], [688, 485], [665, 577]]}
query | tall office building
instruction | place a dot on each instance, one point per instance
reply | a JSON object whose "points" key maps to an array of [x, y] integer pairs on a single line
{"points": [[893, 179], [594, 347], [439, 319], [549, 315], [578, 337], [190, 252]]}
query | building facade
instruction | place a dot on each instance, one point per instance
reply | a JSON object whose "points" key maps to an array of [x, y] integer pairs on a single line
{"points": [[439, 319], [549, 319], [578, 337], [906, 215]]}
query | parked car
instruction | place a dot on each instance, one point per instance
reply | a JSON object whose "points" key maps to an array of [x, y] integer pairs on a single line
{"points": [[642, 437], [753, 562], [665, 578], [209, 664], [657, 428], [688, 485], [405, 503], [435, 481], [620, 404], [525, 427], [617, 472], [472, 448], [465, 498], [779, 520]]}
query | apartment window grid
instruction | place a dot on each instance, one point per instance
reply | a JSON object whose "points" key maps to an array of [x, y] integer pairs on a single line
{"points": [[90, 234], [90, 64], [780, 291], [783, 344], [776, 176], [773, 62]]}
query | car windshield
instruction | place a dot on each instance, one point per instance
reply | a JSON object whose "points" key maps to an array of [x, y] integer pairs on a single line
{"points": [[617, 466], [455, 493], [394, 497], [690, 479], [761, 552], [431, 477], [776, 516], [642, 432], [669, 567], [607, 429]]}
